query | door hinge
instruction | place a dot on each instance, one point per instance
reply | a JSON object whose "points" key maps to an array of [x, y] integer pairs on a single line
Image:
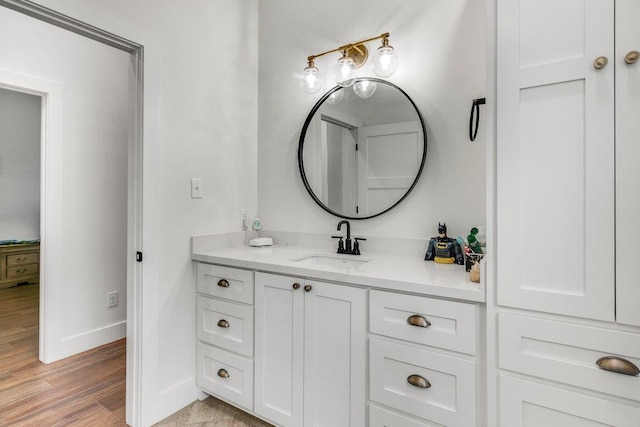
{"points": [[356, 147], [139, 256], [357, 208]]}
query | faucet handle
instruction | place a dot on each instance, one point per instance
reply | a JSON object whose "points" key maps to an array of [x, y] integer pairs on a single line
{"points": [[356, 245], [340, 244]]}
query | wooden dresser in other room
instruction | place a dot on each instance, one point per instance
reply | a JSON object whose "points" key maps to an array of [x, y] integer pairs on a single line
{"points": [[19, 263]]}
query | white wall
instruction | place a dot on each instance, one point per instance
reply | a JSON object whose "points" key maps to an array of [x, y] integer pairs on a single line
{"points": [[442, 67], [92, 191], [19, 165], [200, 90]]}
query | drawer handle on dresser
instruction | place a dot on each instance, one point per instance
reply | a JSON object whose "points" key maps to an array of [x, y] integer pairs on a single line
{"points": [[21, 259], [223, 373], [618, 365], [417, 320], [418, 381], [223, 283], [21, 271], [223, 323]]}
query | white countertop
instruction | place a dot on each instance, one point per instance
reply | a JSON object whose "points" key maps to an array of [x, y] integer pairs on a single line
{"points": [[382, 271]]}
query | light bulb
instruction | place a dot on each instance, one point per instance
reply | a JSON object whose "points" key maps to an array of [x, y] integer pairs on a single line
{"points": [[336, 97], [345, 72], [311, 80], [364, 88], [385, 62]]}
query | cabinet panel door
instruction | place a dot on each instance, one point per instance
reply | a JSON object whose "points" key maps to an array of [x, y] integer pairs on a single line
{"points": [[279, 349], [627, 156], [335, 390], [555, 157], [528, 404]]}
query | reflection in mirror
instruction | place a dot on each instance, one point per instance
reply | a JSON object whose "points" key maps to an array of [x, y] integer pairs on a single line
{"points": [[360, 156]]}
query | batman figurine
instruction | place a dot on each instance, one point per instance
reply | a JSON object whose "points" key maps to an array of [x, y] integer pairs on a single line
{"points": [[443, 249]]}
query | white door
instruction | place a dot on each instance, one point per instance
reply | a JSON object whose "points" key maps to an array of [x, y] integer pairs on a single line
{"points": [[279, 306], [627, 156], [555, 157], [335, 393], [389, 158]]}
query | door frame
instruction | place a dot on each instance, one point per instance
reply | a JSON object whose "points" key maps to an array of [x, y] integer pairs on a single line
{"points": [[51, 121]]}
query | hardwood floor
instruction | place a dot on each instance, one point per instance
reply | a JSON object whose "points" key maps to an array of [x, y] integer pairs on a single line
{"points": [[83, 390]]}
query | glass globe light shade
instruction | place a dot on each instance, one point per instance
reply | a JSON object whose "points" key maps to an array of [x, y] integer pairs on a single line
{"points": [[345, 72], [336, 97], [365, 88], [311, 80], [385, 62]]}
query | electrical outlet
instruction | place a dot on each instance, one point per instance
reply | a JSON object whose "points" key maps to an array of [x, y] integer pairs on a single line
{"points": [[112, 299], [197, 191]]}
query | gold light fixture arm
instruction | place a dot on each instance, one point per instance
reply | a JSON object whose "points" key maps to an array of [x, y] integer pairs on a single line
{"points": [[356, 51]]}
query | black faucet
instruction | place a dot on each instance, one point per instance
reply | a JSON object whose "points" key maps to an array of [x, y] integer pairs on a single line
{"points": [[345, 247]]}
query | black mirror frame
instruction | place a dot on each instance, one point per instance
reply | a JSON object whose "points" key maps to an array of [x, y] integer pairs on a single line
{"points": [[304, 132]]}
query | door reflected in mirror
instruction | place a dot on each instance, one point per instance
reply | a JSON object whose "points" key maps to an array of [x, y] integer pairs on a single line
{"points": [[361, 156]]}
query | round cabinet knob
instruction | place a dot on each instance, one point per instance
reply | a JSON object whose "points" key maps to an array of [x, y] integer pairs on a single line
{"points": [[632, 57], [223, 283], [418, 381], [307, 288], [223, 323], [222, 373], [600, 62], [296, 286]]}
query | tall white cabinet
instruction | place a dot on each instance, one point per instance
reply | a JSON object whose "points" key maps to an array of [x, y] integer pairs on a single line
{"points": [[567, 210]]}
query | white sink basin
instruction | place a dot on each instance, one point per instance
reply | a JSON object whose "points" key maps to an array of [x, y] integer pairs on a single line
{"points": [[345, 261]]}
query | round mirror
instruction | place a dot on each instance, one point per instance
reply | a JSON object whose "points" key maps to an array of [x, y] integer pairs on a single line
{"points": [[362, 149]]}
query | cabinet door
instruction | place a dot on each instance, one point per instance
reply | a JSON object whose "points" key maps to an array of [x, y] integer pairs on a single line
{"points": [[335, 391], [627, 170], [555, 157], [529, 404], [279, 349]]}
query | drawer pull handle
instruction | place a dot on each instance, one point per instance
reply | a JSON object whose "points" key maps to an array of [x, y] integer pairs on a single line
{"points": [[418, 381], [223, 283], [417, 320], [296, 286], [21, 259], [307, 288], [223, 373], [632, 57], [223, 323], [618, 365], [21, 271]]}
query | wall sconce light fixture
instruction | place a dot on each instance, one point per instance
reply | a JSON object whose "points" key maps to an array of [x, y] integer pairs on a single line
{"points": [[354, 55]]}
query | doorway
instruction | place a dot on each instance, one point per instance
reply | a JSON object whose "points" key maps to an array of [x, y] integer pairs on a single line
{"points": [[54, 252]]}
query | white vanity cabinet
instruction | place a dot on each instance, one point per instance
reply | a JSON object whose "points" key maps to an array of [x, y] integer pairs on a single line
{"points": [[310, 352], [568, 200], [225, 333], [422, 361]]}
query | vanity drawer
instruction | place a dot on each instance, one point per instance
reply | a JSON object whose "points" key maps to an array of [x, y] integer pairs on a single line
{"points": [[225, 324], [225, 375], [451, 325], [449, 400], [568, 353], [529, 404], [224, 282], [379, 417]]}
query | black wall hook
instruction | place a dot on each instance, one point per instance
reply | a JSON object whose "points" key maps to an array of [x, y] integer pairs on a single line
{"points": [[475, 111]]}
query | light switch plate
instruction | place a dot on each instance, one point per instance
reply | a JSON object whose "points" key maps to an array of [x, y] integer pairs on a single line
{"points": [[196, 188]]}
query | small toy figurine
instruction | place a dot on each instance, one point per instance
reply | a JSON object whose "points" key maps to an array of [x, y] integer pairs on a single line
{"points": [[443, 249]]}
